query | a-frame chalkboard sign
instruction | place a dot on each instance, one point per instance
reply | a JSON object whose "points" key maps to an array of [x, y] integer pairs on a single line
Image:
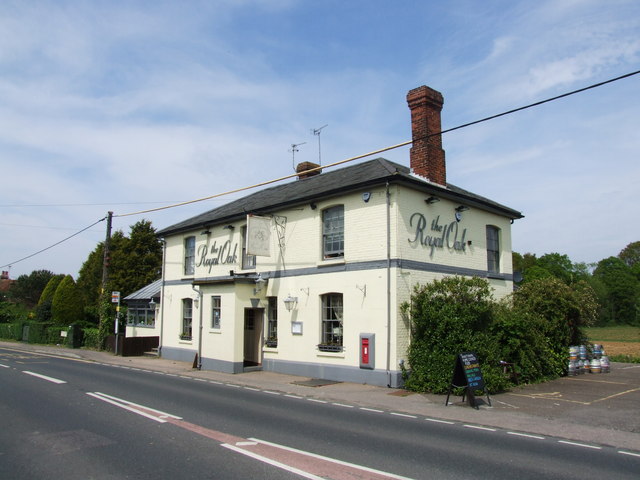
{"points": [[467, 375]]}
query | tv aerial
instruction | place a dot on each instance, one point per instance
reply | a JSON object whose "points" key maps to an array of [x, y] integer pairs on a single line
{"points": [[294, 149], [318, 131]]}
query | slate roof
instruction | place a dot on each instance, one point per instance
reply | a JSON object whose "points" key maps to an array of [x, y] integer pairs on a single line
{"points": [[326, 185], [147, 292]]}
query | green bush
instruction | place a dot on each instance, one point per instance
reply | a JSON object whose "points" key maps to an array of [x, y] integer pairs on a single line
{"points": [[92, 338], [67, 306], [531, 330], [11, 331]]}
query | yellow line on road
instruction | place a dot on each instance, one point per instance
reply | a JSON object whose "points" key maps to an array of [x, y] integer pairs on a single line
{"points": [[616, 395]]}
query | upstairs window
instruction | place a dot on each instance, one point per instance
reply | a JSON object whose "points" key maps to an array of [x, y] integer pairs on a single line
{"points": [[493, 249], [189, 255], [248, 261], [333, 232]]}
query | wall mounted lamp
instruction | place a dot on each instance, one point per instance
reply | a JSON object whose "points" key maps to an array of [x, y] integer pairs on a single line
{"points": [[228, 227], [313, 206], [462, 208], [260, 282], [431, 200], [305, 290], [290, 302], [206, 232]]}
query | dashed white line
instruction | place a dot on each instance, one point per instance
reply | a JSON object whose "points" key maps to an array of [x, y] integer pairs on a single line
{"points": [[528, 435], [629, 453], [199, 379], [342, 405], [232, 385], [292, 396], [270, 392], [402, 415], [371, 410], [477, 427], [44, 377], [4, 366], [437, 420], [215, 382], [579, 444], [316, 400], [252, 389]]}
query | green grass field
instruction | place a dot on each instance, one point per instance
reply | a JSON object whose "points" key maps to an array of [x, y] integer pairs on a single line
{"points": [[619, 333], [622, 342]]}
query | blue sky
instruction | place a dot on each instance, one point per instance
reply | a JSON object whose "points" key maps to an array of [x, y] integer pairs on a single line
{"points": [[124, 106]]}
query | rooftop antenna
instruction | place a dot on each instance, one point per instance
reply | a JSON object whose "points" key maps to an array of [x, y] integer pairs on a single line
{"points": [[317, 131], [294, 149]]}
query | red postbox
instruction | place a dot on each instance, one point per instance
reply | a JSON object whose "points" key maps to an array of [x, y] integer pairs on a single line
{"points": [[367, 352], [364, 348]]}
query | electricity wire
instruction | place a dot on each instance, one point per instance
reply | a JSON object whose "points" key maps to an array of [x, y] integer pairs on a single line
{"points": [[51, 246], [403, 144], [341, 162]]}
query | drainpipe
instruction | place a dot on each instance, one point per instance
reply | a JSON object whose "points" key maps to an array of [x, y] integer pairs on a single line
{"points": [[200, 305], [164, 259], [388, 286]]}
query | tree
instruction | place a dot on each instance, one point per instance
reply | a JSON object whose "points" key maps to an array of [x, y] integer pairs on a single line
{"points": [[622, 291], [630, 254], [67, 306], [43, 309], [27, 289]]}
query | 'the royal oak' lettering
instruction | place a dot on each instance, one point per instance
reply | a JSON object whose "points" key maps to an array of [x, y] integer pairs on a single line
{"points": [[439, 236]]}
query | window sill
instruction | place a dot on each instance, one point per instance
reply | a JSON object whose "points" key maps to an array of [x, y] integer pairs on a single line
{"points": [[330, 262], [270, 349], [496, 275], [140, 326], [330, 348], [215, 330], [330, 354]]}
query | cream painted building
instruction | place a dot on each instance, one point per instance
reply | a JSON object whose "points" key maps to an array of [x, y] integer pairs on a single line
{"points": [[307, 277]]}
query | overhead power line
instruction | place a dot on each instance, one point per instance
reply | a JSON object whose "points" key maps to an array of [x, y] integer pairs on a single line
{"points": [[51, 246], [341, 162], [385, 149]]}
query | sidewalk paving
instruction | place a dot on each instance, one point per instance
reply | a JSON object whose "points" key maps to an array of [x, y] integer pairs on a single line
{"points": [[597, 409]]}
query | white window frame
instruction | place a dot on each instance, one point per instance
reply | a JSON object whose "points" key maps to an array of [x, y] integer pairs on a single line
{"points": [[493, 249], [216, 312], [332, 322], [333, 232], [187, 319], [190, 255]]}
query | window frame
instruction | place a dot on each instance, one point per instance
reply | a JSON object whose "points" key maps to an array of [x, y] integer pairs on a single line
{"points": [[187, 319], [190, 255], [332, 318], [271, 339], [493, 248], [333, 232], [248, 262], [216, 308]]}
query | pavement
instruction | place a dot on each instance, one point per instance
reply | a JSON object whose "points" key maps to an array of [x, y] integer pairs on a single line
{"points": [[593, 409]]}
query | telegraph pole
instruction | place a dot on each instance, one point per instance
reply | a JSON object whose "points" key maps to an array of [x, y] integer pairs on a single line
{"points": [[105, 262]]}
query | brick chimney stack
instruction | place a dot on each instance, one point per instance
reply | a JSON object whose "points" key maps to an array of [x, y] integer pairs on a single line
{"points": [[302, 168], [427, 155]]}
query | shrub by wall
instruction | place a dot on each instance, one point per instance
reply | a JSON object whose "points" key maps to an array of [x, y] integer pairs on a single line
{"points": [[92, 338]]}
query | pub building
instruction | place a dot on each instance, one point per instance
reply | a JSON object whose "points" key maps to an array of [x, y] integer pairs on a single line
{"points": [[307, 277]]}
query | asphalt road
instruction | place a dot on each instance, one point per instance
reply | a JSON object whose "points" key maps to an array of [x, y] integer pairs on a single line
{"points": [[106, 422]]}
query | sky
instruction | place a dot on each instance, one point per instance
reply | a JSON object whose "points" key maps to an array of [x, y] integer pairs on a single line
{"points": [[125, 106]]}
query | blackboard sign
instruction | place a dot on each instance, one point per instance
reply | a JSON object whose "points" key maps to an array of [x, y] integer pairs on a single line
{"points": [[467, 374]]}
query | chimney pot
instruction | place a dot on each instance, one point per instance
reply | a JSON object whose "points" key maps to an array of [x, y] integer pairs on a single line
{"points": [[427, 157], [302, 170]]}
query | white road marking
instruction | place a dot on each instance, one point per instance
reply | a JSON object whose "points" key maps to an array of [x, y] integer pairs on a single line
{"points": [[44, 377], [292, 396], [316, 400], [528, 435], [437, 420], [332, 460], [252, 389], [272, 462], [271, 392], [477, 427], [371, 410], [342, 405], [4, 366], [629, 453], [402, 415], [579, 444], [131, 406]]}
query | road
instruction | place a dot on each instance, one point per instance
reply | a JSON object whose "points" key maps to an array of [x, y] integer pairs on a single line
{"points": [[65, 418]]}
